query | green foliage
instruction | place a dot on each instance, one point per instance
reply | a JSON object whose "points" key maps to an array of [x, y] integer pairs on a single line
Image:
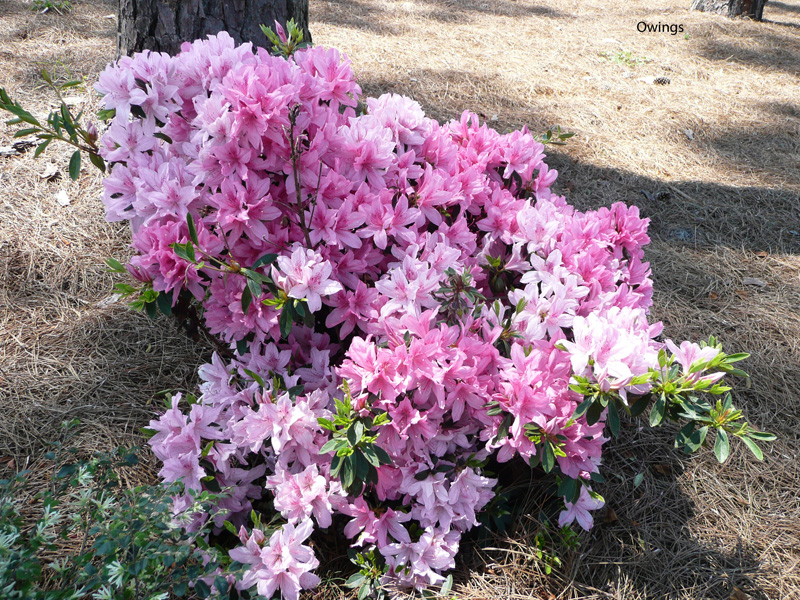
{"points": [[357, 455], [679, 397], [458, 296], [557, 137], [60, 125], [625, 57], [129, 547], [371, 567], [549, 545], [288, 41], [60, 6]]}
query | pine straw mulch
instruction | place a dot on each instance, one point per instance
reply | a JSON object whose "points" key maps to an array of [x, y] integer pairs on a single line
{"points": [[712, 158]]}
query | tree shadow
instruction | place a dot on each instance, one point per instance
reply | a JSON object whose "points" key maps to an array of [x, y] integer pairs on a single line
{"points": [[464, 11], [87, 20], [645, 541], [775, 5], [769, 51], [353, 14]]}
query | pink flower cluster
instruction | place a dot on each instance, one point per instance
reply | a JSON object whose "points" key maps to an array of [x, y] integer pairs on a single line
{"points": [[370, 213]]}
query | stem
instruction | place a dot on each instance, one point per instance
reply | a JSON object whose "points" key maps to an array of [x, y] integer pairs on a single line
{"points": [[296, 172]]}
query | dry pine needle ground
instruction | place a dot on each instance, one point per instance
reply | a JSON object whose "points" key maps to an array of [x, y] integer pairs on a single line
{"points": [[712, 158]]}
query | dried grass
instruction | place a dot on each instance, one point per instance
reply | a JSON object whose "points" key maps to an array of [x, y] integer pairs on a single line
{"points": [[713, 159]]}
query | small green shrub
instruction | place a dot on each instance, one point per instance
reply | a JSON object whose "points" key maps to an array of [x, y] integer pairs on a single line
{"points": [[129, 545], [60, 6]]}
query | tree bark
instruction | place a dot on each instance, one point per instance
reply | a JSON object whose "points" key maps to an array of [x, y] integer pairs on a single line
{"points": [[753, 9], [163, 25]]}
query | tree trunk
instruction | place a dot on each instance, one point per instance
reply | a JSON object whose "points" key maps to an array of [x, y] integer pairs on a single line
{"points": [[163, 25], [731, 8]]}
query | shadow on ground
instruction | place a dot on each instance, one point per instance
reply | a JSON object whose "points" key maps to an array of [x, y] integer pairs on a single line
{"points": [[770, 51]]}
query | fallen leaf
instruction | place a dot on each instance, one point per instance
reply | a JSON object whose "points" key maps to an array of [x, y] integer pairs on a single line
{"points": [[754, 281], [108, 301], [762, 254], [610, 516], [743, 501], [62, 198], [50, 172], [689, 134], [663, 468], [741, 293], [713, 296], [738, 594]]}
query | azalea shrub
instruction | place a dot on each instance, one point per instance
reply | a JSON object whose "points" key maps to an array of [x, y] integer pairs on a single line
{"points": [[400, 303]]}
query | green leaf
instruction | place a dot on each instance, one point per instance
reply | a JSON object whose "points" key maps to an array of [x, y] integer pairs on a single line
{"points": [[267, 259], [66, 121], [24, 132], [369, 453], [383, 456], [254, 287], [164, 302], [658, 411], [192, 229], [637, 481], [97, 161], [221, 584], [362, 466], [753, 447], [201, 589], [447, 586], [255, 377], [355, 580], [70, 84], [548, 457], [348, 471], [613, 418], [75, 165], [722, 446], [683, 436], [330, 446], [336, 465], [732, 358], [567, 488], [594, 413], [163, 136], [582, 408], [358, 427], [640, 405], [241, 347], [536, 458], [363, 592], [285, 321], [698, 438], [762, 436], [115, 265], [40, 148], [247, 298]]}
